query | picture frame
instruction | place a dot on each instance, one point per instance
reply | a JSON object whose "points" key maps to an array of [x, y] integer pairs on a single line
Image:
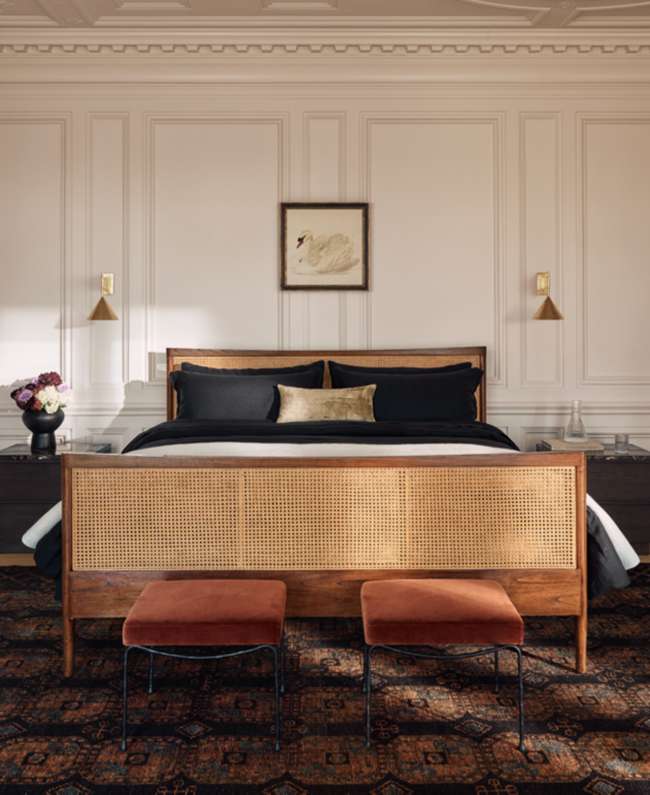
{"points": [[324, 245]]}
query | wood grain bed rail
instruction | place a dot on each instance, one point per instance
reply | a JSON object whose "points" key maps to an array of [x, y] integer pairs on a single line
{"points": [[324, 525]]}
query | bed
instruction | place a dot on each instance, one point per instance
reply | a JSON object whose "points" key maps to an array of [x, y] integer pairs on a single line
{"points": [[323, 523]]}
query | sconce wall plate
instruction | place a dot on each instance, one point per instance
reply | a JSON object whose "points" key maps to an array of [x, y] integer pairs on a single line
{"points": [[548, 310], [543, 283], [107, 283]]}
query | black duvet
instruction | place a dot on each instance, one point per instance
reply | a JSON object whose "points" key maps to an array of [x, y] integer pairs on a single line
{"points": [[605, 569], [188, 431]]}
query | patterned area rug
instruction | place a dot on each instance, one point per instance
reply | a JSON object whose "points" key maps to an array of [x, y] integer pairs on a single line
{"points": [[439, 727]]}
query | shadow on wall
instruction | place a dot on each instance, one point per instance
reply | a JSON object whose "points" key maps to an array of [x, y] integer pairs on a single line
{"points": [[143, 405]]}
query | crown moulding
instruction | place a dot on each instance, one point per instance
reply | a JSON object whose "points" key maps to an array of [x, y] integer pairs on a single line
{"points": [[330, 49], [331, 43]]}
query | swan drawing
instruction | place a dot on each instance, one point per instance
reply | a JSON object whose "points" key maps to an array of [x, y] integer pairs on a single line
{"points": [[325, 253]]}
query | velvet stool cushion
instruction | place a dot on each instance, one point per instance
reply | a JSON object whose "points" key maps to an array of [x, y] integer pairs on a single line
{"points": [[207, 613], [439, 612]]}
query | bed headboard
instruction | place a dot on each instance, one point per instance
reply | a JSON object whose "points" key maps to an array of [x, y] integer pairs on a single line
{"points": [[425, 357]]}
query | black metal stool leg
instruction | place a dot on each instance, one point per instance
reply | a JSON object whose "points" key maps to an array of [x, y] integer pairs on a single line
{"points": [[496, 670], [125, 695], [364, 676], [520, 678], [283, 663], [276, 677], [150, 685], [368, 689]]}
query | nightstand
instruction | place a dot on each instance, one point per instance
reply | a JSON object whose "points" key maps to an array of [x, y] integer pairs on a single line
{"points": [[620, 482], [30, 485]]}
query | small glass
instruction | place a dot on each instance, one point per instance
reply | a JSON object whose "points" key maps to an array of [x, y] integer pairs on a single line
{"points": [[621, 442]]}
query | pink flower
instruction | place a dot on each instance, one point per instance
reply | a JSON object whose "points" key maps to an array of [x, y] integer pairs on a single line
{"points": [[50, 379], [23, 397]]}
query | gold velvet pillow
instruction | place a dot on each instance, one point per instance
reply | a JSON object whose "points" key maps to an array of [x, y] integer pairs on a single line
{"points": [[305, 405]]}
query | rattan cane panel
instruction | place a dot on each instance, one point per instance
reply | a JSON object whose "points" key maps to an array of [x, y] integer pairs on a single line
{"points": [[244, 361], [325, 518], [300, 518], [258, 360], [138, 519], [493, 517]]}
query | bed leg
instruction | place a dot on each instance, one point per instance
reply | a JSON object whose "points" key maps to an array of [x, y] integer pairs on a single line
{"points": [[68, 647], [581, 643]]}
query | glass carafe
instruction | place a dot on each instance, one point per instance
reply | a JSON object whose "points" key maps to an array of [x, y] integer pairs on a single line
{"points": [[575, 429]]}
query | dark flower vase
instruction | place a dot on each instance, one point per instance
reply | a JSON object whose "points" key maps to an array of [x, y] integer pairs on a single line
{"points": [[43, 425]]}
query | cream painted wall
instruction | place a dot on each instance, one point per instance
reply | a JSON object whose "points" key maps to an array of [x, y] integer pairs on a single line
{"points": [[473, 188]]}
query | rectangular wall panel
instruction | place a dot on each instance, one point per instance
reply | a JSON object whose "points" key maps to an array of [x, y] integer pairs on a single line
{"points": [[324, 157], [540, 246], [106, 240], [214, 192], [615, 249], [32, 247], [324, 173], [432, 184]]}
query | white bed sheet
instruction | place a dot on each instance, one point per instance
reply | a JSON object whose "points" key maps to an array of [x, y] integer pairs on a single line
{"points": [[621, 545]]}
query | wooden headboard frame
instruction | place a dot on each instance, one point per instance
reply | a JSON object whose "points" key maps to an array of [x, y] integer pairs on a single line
{"points": [[229, 359]]}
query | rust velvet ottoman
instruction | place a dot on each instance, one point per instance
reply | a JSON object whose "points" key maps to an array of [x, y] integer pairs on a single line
{"points": [[400, 615], [245, 615]]}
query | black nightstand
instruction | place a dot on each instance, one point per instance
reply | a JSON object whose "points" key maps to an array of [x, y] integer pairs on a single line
{"points": [[620, 482], [30, 485]]}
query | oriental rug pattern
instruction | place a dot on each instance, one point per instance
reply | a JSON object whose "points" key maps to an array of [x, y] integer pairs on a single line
{"points": [[439, 727]]}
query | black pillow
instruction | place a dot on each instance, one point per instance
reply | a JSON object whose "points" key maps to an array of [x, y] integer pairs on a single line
{"points": [[217, 396], [338, 367], [419, 397], [187, 367]]}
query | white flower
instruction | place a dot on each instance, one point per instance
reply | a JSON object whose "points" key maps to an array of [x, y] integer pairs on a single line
{"points": [[51, 398]]}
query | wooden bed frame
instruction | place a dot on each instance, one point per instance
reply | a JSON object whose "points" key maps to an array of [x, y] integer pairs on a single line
{"points": [[326, 525]]}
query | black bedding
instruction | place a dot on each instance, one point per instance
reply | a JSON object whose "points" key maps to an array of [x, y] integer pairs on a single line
{"points": [[188, 431], [605, 570]]}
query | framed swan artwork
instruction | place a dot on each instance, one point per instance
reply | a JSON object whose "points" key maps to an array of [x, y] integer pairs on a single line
{"points": [[324, 246]]}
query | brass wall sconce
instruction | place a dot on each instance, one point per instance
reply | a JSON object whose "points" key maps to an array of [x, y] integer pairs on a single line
{"points": [[103, 310], [548, 310]]}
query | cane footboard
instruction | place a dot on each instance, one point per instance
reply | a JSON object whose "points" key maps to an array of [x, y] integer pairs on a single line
{"points": [[324, 526]]}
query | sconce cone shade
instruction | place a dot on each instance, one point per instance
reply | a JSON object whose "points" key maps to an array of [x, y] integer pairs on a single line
{"points": [[548, 311], [102, 311]]}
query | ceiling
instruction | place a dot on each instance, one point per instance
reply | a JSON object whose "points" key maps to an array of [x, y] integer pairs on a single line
{"points": [[216, 14]]}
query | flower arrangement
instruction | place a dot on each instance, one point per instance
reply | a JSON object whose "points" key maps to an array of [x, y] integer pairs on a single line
{"points": [[45, 393]]}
